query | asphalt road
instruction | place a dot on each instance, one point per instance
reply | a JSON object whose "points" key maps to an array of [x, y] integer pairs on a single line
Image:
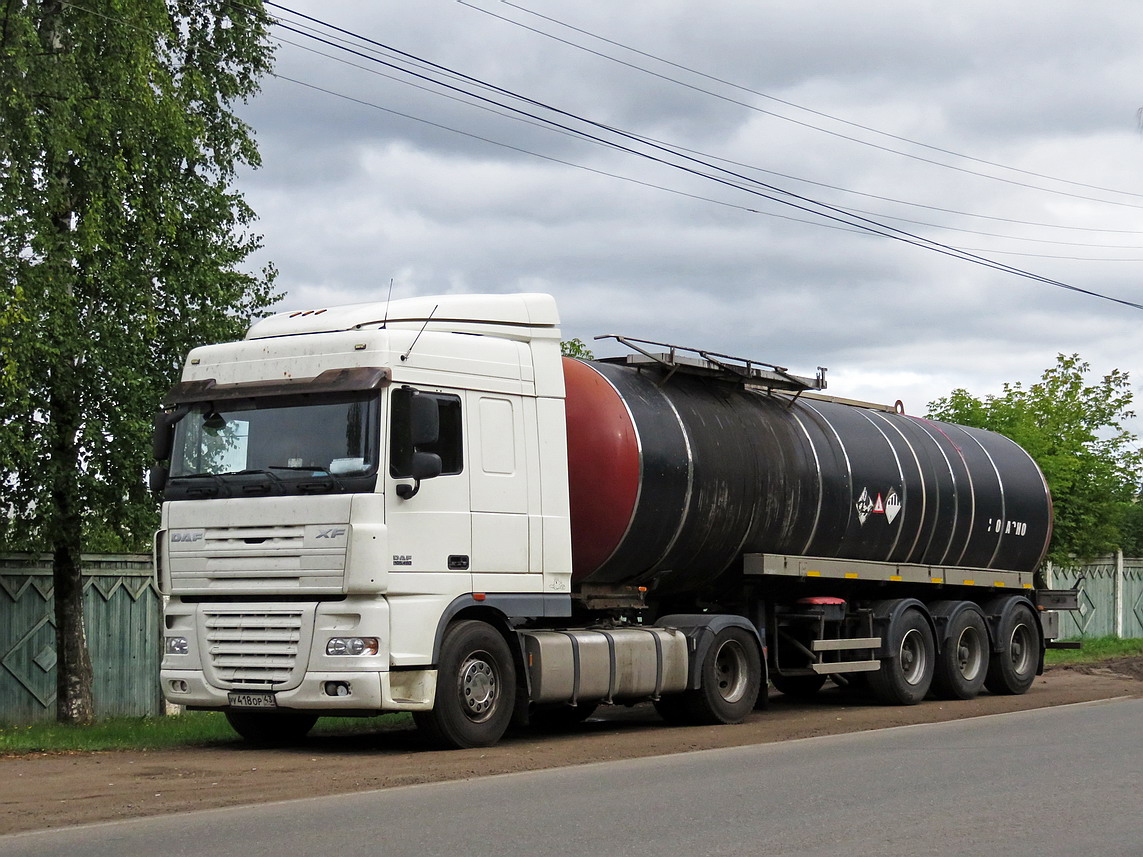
{"points": [[1059, 781]]}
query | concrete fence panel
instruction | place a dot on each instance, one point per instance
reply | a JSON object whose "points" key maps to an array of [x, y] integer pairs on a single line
{"points": [[1111, 597]]}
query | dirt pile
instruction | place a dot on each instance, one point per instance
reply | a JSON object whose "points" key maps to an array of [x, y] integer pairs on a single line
{"points": [[1130, 667]]}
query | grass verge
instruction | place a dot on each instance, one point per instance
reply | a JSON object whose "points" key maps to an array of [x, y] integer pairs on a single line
{"points": [[195, 728], [1095, 649]]}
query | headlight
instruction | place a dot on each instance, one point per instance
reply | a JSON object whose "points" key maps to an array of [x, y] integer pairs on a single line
{"points": [[352, 646], [177, 646]]}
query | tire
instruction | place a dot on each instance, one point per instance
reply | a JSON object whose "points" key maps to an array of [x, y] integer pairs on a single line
{"points": [[963, 662], [557, 718], [1013, 668], [798, 686], [730, 681], [905, 677], [279, 729], [476, 689]]}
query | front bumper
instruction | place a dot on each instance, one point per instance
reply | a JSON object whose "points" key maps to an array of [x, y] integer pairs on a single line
{"points": [[369, 692]]}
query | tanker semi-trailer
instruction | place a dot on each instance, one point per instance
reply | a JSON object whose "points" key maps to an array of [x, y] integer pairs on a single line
{"points": [[418, 505]]}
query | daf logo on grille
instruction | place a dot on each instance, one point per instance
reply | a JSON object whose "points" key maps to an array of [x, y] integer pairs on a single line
{"points": [[332, 533], [188, 536]]}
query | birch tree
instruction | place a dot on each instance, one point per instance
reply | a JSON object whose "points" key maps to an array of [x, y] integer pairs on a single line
{"points": [[122, 243]]}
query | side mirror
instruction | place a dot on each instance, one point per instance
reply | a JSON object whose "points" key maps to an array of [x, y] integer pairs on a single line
{"points": [[424, 420], [163, 438], [423, 429], [426, 465], [157, 478]]}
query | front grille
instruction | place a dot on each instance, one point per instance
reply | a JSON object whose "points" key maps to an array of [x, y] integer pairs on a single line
{"points": [[254, 560], [254, 649]]}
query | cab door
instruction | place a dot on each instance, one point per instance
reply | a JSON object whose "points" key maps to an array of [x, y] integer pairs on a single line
{"points": [[429, 527]]}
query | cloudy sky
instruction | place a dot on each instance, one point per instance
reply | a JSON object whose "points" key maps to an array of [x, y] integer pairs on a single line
{"points": [[708, 174]]}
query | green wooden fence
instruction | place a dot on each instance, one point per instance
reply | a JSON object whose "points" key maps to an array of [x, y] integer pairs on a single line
{"points": [[122, 616]]}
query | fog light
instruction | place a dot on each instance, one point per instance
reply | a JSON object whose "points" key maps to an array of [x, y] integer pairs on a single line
{"points": [[179, 686], [337, 688], [352, 646], [177, 646]]}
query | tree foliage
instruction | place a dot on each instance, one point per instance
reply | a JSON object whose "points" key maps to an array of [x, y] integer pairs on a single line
{"points": [[1131, 528], [1075, 432], [576, 348], [121, 245], [120, 238]]}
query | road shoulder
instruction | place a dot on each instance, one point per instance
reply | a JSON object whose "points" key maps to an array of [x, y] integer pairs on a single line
{"points": [[48, 791]]}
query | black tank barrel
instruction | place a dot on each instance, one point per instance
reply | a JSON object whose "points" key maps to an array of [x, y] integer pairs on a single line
{"points": [[672, 480]]}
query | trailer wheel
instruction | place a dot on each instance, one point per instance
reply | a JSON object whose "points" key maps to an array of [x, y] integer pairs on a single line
{"points": [[1013, 667], [906, 675], [962, 664], [798, 686], [730, 681], [476, 688], [271, 729]]}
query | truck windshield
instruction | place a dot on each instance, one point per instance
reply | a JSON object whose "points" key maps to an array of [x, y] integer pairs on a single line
{"points": [[276, 446]]}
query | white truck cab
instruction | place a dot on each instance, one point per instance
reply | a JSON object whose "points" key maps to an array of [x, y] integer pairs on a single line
{"points": [[308, 567]]}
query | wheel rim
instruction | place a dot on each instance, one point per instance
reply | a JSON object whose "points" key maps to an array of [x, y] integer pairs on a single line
{"points": [[1020, 648], [914, 656], [731, 671], [970, 654], [479, 687]]}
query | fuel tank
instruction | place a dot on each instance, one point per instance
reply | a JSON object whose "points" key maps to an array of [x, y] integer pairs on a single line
{"points": [[672, 479]]}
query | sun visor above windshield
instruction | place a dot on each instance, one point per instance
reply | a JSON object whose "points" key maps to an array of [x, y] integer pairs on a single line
{"points": [[331, 381]]}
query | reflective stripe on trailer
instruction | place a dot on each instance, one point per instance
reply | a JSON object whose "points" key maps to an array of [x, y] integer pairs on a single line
{"points": [[759, 564]]}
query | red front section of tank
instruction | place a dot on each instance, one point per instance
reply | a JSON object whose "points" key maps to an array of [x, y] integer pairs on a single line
{"points": [[603, 466]]}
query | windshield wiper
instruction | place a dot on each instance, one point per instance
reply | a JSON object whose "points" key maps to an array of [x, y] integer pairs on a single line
{"points": [[273, 477], [313, 471], [219, 484]]}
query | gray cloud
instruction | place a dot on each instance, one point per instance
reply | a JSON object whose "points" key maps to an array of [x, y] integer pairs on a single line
{"points": [[351, 196]]}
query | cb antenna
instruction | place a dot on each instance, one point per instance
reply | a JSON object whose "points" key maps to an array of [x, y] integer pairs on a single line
{"points": [[388, 300], [405, 356]]}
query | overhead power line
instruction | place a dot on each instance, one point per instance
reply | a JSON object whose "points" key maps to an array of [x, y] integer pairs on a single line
{"points": [[849, 209], [323, 35], [659, 154], [895, 201], [859, 223], [628, 179], [751, 91]]}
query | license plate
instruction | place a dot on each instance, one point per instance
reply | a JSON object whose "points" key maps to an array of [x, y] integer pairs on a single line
{"points": [[252, 700]]}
